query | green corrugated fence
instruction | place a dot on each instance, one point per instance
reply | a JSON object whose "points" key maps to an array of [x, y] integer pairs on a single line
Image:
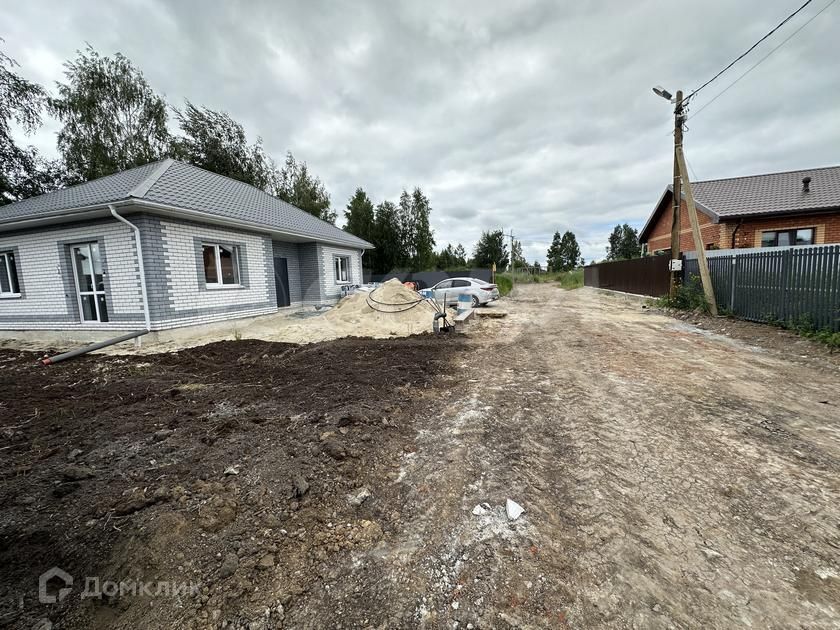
{"points": [[798, 285]]}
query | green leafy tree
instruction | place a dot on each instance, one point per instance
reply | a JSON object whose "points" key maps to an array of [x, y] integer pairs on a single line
{"points": [[23, 172], [216, 142], [297, 186], [360, 216], [112, 119], [564, 253], [387, 238], [623, 243], [490, 249]]}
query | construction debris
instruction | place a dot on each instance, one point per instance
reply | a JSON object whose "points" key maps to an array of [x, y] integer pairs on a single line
{"points": [[513, 509]]}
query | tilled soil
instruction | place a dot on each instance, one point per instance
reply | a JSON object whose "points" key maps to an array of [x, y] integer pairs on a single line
{"points": [[672, 477], [226, 467]]}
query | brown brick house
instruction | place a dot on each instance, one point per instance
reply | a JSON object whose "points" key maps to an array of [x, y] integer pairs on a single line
{"points": [[777, 209]]}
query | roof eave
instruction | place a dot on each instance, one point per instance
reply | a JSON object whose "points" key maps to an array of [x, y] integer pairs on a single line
{"points": [[95, 211]]}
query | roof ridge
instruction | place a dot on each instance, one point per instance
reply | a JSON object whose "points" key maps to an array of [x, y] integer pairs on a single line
{"points": [[143, 187], [795, 170]]}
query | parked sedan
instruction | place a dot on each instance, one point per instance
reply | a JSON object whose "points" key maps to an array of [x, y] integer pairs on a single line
{"points": [[480, 292]]}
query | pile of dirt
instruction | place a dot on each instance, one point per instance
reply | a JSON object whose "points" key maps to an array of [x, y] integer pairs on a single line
{"points": [[391, 309], [226, 466]]}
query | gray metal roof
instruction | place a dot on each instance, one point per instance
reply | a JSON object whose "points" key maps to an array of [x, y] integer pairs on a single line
{"points": [[774, 193], [180, 185], [762, 195]]}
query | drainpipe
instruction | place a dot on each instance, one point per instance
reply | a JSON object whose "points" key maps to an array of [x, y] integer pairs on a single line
{"points": [[735, 232], [139, 264], [132, 335]]}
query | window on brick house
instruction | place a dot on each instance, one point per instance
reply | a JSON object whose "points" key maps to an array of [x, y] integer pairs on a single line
{"points": [[342, 268], [221, 265], [782, 238], [8, 276]]}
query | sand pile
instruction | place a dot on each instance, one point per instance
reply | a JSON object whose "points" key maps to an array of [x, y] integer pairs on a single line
{"points": [[389, 310]]}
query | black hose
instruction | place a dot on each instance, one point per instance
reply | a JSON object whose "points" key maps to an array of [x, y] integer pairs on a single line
{"points": [[410, 305]]}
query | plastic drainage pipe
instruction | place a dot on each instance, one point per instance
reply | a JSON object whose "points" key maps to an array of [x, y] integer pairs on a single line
{"points": [[94, 346]]}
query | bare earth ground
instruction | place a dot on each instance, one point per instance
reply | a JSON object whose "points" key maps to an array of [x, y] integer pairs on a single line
{"points": [[671, 477]]}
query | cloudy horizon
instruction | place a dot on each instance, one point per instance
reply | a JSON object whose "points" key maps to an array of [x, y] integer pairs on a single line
{"points": [[529, 116]]}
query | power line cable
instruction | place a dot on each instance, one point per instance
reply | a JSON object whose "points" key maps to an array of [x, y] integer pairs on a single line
{"points": [[759, 62], [748, 51]]}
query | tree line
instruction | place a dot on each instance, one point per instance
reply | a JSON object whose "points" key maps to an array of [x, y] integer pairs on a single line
{"points": [[112, 120]]}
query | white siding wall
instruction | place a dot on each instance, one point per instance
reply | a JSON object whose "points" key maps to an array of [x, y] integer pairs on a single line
{"points": [[331, 289], [186, 292], [46, 289]]}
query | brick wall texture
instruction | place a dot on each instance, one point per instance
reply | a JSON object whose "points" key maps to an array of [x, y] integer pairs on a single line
{"points": [[177, 292], [826, 230]]}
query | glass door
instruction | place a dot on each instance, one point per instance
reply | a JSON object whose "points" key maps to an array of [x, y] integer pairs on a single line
{"points": [[90, 282]]}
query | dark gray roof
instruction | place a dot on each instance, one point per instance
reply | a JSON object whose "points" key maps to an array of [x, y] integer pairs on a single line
{"points": [[182, 185], [774, 193], [761, 195]]}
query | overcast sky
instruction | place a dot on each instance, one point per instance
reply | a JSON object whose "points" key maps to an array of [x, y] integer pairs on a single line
{"points": [[531, 116]]}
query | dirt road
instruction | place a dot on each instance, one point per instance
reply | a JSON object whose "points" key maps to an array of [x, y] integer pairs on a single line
{"points": [[671, 478]]}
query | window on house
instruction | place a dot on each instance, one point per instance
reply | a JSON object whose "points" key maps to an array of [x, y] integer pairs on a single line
{"points": [[221, 265], [782, 238], [8, 276], [342, 268]]}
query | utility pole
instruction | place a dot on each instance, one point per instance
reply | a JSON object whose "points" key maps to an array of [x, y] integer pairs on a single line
{"points": [[512, 263], [682, 181], [675, 219]]}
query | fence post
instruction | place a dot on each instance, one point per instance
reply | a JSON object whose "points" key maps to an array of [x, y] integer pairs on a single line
{"points": [[734, 279]]}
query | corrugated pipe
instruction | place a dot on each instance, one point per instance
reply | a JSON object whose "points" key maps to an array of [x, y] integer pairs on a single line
{"points": [[94, 346], [132, 335]]}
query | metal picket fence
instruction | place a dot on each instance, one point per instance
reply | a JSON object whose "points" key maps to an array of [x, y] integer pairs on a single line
{"points": [[799, 285]]}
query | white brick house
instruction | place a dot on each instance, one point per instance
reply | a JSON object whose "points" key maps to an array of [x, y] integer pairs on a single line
{"points": [[210, 248]]}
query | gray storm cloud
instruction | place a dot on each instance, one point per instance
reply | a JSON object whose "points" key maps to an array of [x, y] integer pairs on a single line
{"points": [[530, 116]]}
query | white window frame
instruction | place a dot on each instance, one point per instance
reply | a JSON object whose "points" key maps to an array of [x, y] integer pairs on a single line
{"points": [[236, 267], [337, 269], [10, 293], [96, 293]]}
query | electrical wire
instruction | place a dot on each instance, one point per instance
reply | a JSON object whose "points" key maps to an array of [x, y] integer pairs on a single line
{"points": [[748, 51], [759, 62]]}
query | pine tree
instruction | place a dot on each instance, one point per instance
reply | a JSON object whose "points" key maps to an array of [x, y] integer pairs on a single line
{"points": [[360, 216], [623, 243], [460, 256], [387, 239], [490, 249], [424, 240]]}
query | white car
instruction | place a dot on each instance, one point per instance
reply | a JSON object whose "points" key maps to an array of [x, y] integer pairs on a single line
{"points": [[481, 292]]}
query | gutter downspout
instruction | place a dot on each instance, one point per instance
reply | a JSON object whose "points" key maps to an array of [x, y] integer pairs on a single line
{"points": [[132, 335], [735, 232], [139, 264]]}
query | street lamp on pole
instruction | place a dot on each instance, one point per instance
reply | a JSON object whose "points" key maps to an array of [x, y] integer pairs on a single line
{"points": [[677, 184]]}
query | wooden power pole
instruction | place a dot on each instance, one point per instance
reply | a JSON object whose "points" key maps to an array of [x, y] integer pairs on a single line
{"points": [[705, 277], [675, 220]]}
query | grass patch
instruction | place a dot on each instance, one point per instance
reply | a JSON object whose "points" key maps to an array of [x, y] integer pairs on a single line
{"points": [[804, 327], [689, 296], [504, 283]]}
